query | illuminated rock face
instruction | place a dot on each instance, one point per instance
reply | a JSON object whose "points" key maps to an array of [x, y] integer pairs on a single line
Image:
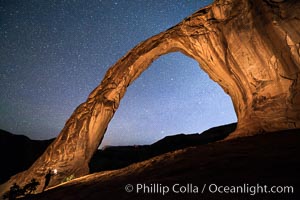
{"points": [[249, 47]]}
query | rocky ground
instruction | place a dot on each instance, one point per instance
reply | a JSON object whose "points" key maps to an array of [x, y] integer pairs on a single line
{"points": [[267, 159]]}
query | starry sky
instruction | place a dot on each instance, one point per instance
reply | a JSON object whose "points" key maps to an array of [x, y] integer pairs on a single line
{"points": [[54, 53]]}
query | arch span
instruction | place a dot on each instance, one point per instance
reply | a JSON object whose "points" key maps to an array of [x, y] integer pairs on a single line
{"points": [[249, 47]]}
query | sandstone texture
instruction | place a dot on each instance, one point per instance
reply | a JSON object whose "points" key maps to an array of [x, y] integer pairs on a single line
{"points": [[251, 48]]}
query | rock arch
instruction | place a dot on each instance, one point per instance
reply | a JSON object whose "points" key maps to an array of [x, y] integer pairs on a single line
{"points": [[249, 47]]}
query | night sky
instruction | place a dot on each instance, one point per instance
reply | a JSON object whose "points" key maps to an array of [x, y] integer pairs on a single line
{"points": [[54, 53]]}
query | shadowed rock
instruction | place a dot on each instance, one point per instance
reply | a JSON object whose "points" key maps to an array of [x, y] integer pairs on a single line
{"points": [[266, 159], [249, 47]]}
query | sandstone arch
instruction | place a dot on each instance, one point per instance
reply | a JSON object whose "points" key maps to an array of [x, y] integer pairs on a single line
{"points": [[249, 47]]}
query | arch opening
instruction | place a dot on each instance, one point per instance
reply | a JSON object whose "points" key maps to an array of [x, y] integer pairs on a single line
{"points": [[174, 95]]}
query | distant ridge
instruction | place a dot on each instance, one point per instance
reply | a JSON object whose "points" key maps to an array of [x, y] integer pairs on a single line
{"points": [[18, 152], [115, 157]]}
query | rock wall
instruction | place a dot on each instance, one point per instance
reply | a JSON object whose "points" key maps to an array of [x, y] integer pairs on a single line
{"points": [[249, 47]]}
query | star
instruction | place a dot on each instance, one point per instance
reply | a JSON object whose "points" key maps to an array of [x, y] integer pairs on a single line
{"points": [[54, 53]]}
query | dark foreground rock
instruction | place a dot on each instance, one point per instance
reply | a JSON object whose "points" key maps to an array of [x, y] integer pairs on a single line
{"points": [[268, 159]]}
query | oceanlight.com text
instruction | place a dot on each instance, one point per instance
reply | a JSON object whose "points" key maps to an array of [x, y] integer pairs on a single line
{"points": [[189, 188]]}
